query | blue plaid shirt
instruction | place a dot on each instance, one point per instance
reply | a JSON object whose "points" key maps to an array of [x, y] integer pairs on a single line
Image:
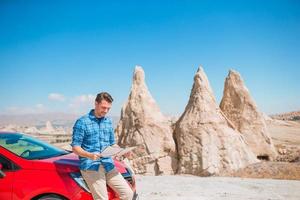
{"points": [[93, 135]]}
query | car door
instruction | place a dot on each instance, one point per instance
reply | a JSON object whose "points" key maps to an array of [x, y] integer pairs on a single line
{"points": [[6, 178]]}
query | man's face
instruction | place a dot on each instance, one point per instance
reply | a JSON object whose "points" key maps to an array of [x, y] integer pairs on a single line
{"points": [[102, 108]]}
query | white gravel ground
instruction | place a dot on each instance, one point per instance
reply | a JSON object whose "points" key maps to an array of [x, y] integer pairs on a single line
{"points": [[215, 188]]}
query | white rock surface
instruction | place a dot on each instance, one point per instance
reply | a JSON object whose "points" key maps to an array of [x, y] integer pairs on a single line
{"points": [[205, 140], [238, 105], [143, 125]]}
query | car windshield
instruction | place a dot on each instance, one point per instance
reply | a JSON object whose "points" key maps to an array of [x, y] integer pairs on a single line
{"points": [[28, 147]]}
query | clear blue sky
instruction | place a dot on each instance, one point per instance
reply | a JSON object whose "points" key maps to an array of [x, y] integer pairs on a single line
{"points": [[54, 55]]}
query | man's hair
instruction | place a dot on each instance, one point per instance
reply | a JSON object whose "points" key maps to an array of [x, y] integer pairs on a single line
{"points": [[104, 96]]}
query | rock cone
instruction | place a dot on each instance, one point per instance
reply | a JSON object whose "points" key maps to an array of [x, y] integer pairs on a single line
{"points": [[143, 125], [242, 111], [206, 142]]}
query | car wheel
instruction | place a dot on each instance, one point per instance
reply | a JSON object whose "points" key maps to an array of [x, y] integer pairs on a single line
{"points": [[51, 197]]}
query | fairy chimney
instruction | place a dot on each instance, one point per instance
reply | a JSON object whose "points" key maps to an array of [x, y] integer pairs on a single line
{"points": [[206, 141], [143, 125], [238, 105]]}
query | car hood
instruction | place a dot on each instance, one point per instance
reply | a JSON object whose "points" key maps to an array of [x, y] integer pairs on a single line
{"points": [[67, 163]]}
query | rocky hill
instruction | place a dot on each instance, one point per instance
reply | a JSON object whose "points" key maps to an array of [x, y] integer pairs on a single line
{"points": [[291, 116]]}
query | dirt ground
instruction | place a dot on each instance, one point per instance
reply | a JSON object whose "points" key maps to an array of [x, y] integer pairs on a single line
{"points": [[286, 138], [266, 180], [285, 132], [215, 188]]}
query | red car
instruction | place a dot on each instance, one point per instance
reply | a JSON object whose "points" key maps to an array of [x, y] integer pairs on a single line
{"points": [[34, 170]]}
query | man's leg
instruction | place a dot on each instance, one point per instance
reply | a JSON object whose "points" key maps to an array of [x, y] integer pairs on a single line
{"points": [[96, 181], [116, 181]]}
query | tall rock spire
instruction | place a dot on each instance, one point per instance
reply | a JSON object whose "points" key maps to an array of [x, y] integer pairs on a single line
{"points": [[242, 111], [205, 141], [143, 125]]}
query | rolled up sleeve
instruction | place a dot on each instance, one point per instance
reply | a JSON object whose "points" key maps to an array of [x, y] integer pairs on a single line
{"points": [[78, 133], [112, 134]]}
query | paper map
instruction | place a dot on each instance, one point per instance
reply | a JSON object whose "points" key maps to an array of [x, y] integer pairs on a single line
{"points": [[112, 151]]}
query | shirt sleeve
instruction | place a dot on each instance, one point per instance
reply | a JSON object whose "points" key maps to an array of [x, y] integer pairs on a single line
{"points": [[112, 134], [78, 133]]}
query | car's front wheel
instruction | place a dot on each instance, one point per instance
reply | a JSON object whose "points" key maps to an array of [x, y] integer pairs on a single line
{"points": [[51, 197]]}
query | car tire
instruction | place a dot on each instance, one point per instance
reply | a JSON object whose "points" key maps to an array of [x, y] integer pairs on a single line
{"points": [[51, 197]]}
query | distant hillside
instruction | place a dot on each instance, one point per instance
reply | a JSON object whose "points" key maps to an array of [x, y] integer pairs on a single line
{"points": [[60, 119], [38, 120], [292, 116]]}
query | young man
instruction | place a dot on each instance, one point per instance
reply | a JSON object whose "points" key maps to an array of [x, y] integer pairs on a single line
{"points": [[91, 134]]}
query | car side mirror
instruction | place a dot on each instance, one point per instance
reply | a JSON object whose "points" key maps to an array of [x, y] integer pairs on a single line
{"points": [[2, 174]]}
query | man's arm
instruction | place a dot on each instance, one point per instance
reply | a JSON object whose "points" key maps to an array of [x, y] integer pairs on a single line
{"points": [[80, 152], [77, 138]]}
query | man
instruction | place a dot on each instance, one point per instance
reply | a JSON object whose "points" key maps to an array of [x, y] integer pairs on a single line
{"points": [[91, 134]]}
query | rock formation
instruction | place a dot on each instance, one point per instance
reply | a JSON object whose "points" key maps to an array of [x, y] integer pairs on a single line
{"points": [[48, 129], [207, 144], [31, 130], [242, 111], [267, 118], [9, 128], [143, 125]]}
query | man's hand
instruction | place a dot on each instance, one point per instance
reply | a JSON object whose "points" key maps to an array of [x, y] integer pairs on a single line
{"points": [[94, 156], [80, 152]]}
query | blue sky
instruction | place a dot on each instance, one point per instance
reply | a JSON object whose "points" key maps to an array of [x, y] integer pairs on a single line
{"points": [[56, 55]]}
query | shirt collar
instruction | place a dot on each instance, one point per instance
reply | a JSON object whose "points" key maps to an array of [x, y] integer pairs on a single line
{"points": [[92, 115]]}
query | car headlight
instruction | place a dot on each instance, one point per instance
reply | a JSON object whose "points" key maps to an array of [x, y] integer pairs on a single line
{"points": [[79, 180], [128, 176]]}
